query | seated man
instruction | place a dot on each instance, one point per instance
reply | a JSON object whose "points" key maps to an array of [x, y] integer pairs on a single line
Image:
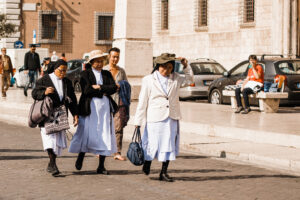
{"points": [[255, 73]]}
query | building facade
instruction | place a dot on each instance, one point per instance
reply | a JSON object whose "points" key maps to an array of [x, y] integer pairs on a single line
{"points": [[227, 31], [73, 27]]}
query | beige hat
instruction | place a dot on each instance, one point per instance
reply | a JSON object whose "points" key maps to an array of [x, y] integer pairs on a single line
{"points": [[96, 54]]}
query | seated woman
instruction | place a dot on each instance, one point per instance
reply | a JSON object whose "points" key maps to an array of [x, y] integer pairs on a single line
{"points": [[255, 73]]}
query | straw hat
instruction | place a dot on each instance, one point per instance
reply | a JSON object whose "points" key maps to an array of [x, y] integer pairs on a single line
{"points": [[96, 54]]}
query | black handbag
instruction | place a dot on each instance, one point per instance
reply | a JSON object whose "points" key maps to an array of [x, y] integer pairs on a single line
{"points": [[135, 151], [58, 121]]}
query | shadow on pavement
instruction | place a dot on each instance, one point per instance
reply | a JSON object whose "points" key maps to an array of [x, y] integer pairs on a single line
{"points": [[155, 171], [214, 178], [21, 157], [20, 150], [192, 157]]}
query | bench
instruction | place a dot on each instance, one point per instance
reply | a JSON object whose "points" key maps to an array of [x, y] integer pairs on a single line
{"points": [[268, 101]]}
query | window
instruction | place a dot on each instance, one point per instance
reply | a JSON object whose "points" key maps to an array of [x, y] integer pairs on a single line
{"points": [[202, 13], [241, 70], [104, 28], [165, 14], [248, 11], [49, 26]]}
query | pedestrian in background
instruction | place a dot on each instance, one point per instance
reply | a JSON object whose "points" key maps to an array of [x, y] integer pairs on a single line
{"points": [[58, 88], [45, 66], [63, 57], [120, 119], [32, 66], [95, 132], [54, 57], [6, 69], [159, 107]]}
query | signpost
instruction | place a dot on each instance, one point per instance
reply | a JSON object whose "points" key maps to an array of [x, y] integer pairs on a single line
{"points": [[18, 44]]}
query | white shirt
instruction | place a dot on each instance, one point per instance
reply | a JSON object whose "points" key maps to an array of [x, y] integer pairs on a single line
{"points": [[57, 82], [98, 75], [163, 81]]}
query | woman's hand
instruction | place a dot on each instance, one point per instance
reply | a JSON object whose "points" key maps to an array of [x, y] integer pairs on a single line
{"points": [[183, 62], [75, 120], [96, 87], [49, 90]]}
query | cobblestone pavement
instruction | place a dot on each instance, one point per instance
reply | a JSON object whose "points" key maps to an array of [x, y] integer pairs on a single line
{"points": [[23, 176]]}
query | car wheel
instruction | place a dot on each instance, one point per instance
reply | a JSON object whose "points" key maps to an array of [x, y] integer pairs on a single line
{"points": [[77, 87], [215, 97]]}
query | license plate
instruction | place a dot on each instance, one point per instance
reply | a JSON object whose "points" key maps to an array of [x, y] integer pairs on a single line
{"points": [[298, 85], [207, 83]]}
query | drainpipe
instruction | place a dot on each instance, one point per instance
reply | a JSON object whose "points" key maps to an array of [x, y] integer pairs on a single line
{"points": [[291, 28]]}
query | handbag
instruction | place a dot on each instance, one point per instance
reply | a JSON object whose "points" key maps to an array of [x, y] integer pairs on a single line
{"points": [[12, 81], [39, 111], [135, 151], [58, 120]]}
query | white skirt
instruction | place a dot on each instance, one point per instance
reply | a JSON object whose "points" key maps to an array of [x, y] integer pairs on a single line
{"points": [[55, 141], [161, 140], [95, 133]]}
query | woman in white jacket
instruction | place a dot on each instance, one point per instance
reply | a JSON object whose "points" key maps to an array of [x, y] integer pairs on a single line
{"points": [[159, 108]]}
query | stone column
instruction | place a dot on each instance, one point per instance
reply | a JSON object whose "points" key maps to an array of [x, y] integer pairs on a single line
{"points": [[132, 34]]}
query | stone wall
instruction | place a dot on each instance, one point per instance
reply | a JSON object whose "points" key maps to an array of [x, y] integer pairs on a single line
{"points": [[226, 38]]}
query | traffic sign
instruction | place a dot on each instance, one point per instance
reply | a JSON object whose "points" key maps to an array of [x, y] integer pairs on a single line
{"points": [[18, 44]]}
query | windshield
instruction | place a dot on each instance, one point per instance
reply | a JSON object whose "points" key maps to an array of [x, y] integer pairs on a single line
{"points": [[290, 67], [207, 68]]}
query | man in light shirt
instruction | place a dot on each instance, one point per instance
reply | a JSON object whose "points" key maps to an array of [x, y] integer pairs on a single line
{"points": [[6, 69]]}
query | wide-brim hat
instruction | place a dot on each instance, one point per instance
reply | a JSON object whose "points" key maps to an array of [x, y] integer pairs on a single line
{"points": [[96, 54], [164, 58]]}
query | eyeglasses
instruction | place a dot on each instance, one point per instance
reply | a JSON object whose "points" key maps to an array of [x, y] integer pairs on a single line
{"points": [[62, 71]]}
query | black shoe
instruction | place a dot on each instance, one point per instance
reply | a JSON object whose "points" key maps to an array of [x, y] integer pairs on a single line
{"points": [[246, 111], [25, 92], [102, 171], [239, 109], [165, 177], [79, 161], [146, 167], [50, 168]]}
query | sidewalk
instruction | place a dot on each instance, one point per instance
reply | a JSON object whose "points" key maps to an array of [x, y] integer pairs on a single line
{"points": [[271, 140]]}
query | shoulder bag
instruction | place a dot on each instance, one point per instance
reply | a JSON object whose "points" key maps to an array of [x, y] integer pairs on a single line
{"points": [[135, 151], [39, 111]]}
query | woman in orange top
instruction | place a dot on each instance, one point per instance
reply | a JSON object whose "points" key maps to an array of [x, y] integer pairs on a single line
{"points": [[255, 73]]}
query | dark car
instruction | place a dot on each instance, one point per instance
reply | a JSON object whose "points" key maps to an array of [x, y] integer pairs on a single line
{"points": [[273, 66], [75, 67]]}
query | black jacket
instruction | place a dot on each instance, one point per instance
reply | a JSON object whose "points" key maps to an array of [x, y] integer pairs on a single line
{"points": [[32, 61], [88, 79], [38, 93]]}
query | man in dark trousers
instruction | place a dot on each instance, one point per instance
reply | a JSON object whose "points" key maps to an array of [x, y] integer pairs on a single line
{"points": [[31, 66]]}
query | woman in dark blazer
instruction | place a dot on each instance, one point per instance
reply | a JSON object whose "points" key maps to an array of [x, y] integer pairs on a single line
{"points": [[95, 133], [61, 91]]}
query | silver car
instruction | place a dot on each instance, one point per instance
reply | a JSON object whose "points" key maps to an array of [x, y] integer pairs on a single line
{"points": [[205, 71]]}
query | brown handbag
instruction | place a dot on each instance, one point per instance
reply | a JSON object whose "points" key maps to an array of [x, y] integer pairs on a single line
{"points": [[39, 111]]}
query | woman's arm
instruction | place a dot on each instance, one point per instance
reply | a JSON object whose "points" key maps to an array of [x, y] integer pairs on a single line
{"points": [[141, 110], [38, 93], [87, 87], [109, 88]]}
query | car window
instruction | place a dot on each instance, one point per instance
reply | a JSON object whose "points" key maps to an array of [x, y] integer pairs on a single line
{"points": [[74, 65], [289, 67], [240, 70], [207, 68]]}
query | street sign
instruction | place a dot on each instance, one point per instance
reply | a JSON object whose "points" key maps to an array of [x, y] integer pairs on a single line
{"points": [[18, 44]]}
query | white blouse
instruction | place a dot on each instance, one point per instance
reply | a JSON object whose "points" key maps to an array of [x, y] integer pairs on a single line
{"points": [[163, 81], [98, 75], [57, 82]]}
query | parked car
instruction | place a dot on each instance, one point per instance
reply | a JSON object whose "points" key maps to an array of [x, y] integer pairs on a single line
{"points": [[20, 77], [74, 69], [205, 71], [273, 66]]}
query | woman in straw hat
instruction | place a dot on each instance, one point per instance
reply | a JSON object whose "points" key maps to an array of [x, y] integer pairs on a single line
{"points": [[95, 133], [159, 107], [60, 90]]}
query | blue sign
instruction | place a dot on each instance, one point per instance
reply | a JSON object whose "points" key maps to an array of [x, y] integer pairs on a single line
{"points": [[18, 44]]}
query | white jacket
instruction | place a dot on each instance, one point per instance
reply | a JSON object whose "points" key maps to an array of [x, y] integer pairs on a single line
{"points": [[154, 105]]}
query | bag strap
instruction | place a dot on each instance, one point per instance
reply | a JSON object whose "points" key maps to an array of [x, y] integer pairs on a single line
{"points": [[136, 135]]}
